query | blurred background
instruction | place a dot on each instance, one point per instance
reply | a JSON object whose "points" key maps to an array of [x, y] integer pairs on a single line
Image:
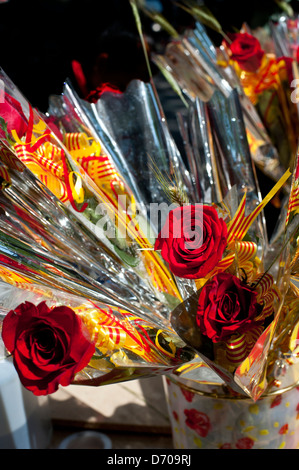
{"points": [[41, 38]]}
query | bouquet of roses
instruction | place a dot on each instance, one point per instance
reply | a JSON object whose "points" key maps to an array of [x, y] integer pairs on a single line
{"points": [[57, 338], [193, 65], [237, 297], [98, 316], [266, 80], [77, 285], [107, 212]]}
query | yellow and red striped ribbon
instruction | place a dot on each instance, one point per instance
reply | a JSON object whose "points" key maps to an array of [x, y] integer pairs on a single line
{"points": [[239, 346], [240, 224], [112, 334], [48, 162], [13, 278], [56, 185], [103, 173], [50, 157], [293, 206]]}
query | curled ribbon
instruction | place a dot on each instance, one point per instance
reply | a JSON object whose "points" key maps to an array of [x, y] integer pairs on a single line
{"points": [[48, 163], [117, 195]]}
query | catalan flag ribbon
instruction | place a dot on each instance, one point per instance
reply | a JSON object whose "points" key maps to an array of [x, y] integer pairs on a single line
{"points": [[114, 192], [293, 206], [49, 163], [240, 224]]}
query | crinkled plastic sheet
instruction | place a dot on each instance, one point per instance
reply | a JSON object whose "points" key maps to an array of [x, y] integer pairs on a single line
{"points": [[132, 128], [56, 245], [144, 349], [192, 61], [216, 145]]}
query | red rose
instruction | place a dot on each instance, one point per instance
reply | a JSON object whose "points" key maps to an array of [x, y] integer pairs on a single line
{"points": [[12, 113], [226, 306], [192, 240], [247, 51], [48, 345], [198, 421]]}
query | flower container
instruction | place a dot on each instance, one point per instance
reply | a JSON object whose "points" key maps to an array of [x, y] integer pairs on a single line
{"points": [[205, 417]]}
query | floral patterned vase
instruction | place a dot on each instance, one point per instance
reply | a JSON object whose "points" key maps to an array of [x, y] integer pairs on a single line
{"points": [[201, 420]]}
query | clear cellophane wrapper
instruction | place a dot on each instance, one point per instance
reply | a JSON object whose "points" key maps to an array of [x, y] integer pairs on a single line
{"points": [[269, 90], [285, 36], [134, 299], [194, 65], [132, 129], [250, 373], [73, 209], [126, 346]]}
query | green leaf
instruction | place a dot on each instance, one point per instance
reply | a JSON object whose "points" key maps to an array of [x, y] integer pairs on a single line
{"points": [[139, 28], [172, 301], [159, 19], [284, 6], [168, 76], [128, 259], [202, 14], [3, 126]]}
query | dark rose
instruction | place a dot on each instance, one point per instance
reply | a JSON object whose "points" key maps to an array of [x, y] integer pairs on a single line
{"points": [[226, 306], [198, 421], [192, 240], [247, 51], [48, 345], [12, 113]]}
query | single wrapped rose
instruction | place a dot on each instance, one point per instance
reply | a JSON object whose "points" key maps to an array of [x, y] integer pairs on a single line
{"points": [[226, 306], [12, 113], [246, 50], [49, 345], [192, 240]]}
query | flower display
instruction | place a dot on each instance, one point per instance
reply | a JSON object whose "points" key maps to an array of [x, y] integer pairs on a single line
{"points": [[266, 80], [49, 346], [100, 293], [192, 240]]}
